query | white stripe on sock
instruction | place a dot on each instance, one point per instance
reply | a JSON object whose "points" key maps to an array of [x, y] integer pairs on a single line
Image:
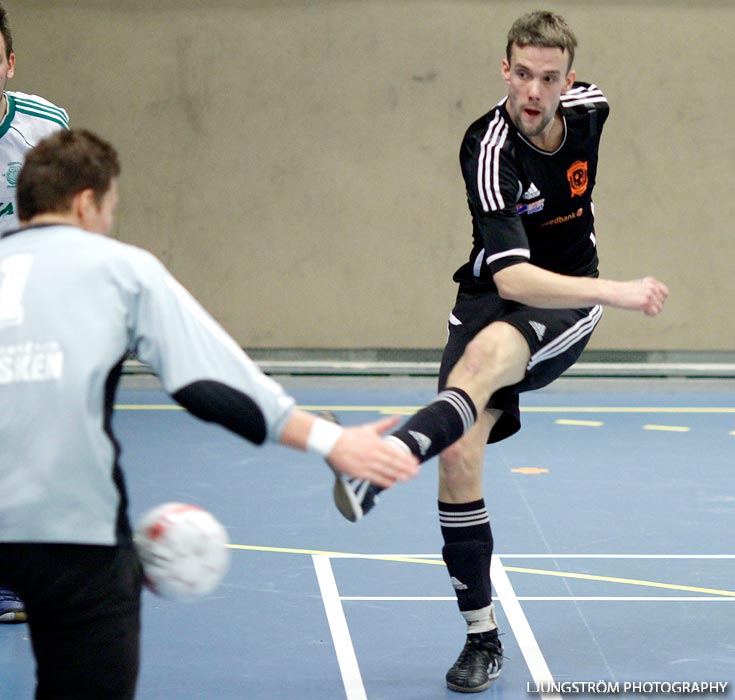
{"points": [[468, 518], [459, 403]]}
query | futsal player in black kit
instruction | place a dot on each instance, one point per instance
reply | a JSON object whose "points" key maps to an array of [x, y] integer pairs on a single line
{"points": [[529, 298]]}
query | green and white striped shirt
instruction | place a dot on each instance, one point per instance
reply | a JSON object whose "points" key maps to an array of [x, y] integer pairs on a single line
{"points": [[30, 118]]}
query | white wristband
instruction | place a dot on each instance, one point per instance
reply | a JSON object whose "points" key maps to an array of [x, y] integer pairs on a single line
{"points": [[323, 436]]}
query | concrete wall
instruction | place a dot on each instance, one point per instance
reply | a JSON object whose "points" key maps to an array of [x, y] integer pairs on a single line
{"points": [[294, 162]]}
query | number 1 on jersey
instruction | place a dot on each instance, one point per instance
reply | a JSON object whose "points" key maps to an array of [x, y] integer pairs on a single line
{"points": [[14, 273]]}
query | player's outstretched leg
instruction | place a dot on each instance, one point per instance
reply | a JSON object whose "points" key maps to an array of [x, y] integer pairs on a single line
{"points": [[353, 497], [436, 426]]}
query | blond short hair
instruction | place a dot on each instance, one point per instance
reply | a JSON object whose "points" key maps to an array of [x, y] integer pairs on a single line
{"points": [[542, 28]]}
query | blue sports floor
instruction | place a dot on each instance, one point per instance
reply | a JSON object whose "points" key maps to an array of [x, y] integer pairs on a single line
{"points": [[613, 513]]}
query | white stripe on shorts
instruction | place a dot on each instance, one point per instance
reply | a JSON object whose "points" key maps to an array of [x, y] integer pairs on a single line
{"points": [[569, 337]]}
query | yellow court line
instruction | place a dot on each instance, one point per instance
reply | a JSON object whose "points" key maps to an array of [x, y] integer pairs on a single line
{"points": [[515, 569], [341, 555], [668, 428], [629, 581]]}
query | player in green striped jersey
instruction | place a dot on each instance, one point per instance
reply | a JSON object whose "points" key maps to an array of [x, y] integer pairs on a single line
{"points": [[24, 121]]}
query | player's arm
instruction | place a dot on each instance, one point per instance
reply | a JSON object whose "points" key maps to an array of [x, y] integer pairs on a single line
{"points": [[531, 285], [493, 187], [493, 183]]}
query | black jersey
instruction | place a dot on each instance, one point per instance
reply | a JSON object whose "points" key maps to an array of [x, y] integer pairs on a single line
{"points": [[530, 205]]}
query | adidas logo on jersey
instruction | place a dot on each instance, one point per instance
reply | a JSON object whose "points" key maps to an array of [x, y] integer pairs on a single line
{"points": [[532, 192], [538, 328], [423, 441], [457, 584]]}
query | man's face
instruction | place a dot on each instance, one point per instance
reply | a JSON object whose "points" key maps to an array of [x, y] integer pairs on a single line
{"points": [[7, 64], [537, 77]]}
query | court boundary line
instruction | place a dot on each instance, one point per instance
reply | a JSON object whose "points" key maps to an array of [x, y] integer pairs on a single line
{"points": [[551, 598], [521, 628], [506, 596], [344, 649], [342, 641], [435, 560]]}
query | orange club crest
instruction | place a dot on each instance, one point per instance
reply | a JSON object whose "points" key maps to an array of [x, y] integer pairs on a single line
{"points": [[577, 177]]}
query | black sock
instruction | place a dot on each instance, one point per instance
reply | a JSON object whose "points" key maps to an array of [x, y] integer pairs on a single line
{"points": [[467, 551], [436, 426]]}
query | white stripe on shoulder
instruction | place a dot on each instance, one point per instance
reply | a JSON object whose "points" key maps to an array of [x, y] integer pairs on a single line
{"points": [[586, 101], [583, 94], [38, 102], [581, 88], [40, 108], [488, 164]]}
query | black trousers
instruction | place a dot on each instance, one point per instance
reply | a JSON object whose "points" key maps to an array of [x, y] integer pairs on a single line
{"points": [[83, 604]]}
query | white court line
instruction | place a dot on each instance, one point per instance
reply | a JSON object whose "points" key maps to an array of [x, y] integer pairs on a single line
{"points": [[521, 629], [540, 672], [348, 667], [555, 599]]}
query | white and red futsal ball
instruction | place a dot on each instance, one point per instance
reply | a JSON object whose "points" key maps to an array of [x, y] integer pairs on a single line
{"points": [[183, 549]]}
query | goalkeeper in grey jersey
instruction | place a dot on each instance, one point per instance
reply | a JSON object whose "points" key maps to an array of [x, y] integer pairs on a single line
{"points": [[72, 305]]}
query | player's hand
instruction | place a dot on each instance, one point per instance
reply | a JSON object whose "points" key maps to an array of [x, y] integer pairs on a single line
{"points": [[647, 295], [362, 452]]}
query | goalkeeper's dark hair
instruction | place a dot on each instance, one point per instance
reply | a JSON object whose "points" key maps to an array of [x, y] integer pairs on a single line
{"points": [[61, 166]]}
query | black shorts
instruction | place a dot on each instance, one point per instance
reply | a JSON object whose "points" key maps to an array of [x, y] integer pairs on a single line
{"points": [[556, 338], [83, 605]]}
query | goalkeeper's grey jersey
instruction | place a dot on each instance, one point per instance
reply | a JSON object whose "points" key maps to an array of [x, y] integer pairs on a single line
{"points": [[72, 304]]}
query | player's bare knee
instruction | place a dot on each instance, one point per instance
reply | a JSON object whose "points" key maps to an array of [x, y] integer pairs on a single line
{"points": [[460, 465], [477, 356], [490, 352]]}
